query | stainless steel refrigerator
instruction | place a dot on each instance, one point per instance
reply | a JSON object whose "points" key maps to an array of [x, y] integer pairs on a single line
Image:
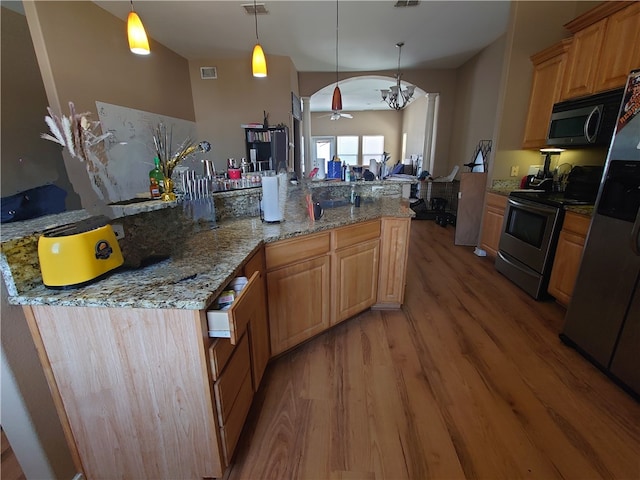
{"points": [[603, 317]]}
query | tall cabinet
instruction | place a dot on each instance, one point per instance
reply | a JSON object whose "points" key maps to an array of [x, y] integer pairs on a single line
{"points": [[469, 213], [268, 147]]}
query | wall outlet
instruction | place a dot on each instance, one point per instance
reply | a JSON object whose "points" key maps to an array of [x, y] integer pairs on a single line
{"points": [[514, 170], [118, 229]]}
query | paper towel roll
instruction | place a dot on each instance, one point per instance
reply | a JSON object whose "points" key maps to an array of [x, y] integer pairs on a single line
{"points": [[271, 211], [373, 167]]}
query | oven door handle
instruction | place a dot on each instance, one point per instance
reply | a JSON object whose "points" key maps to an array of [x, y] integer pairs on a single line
{"points": [[540, 209], [514, 265]]}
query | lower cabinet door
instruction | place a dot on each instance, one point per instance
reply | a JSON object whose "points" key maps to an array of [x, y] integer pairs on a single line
{"points": [[299, 302], [394, 250], [355, 279]]}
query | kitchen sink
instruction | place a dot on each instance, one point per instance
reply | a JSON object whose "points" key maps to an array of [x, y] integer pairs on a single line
{"points": [[334, 203]]}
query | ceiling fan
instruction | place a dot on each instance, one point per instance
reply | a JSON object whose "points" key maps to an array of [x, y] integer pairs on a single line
{"points": [[336, 115]]}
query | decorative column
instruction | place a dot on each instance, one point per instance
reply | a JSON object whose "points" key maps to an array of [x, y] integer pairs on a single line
{"points": [[306, 133]]}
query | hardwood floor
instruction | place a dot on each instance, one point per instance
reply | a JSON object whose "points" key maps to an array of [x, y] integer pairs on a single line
{"points": [[469, 380]]}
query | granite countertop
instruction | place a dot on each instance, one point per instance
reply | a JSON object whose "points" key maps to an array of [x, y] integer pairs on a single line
{"points": [[204, 264]]}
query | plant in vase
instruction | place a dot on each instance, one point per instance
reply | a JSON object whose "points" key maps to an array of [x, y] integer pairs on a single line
{"points": [[162, 141], [75, 132], [82, 139]]}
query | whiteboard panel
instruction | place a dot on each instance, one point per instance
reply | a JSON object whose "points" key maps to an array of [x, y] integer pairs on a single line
{"points": [[130, 151]]}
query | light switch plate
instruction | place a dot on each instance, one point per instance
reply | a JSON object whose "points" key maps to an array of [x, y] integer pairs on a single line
{"points": [[514, 170]]}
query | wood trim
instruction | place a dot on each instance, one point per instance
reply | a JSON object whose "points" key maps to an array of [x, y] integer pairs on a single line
{"points": [[357, 233], [553, 51], [597, 13], [53, 387], [288, 252]]}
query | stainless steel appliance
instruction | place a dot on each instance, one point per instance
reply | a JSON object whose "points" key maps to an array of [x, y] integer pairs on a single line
{"points": [[532, 223], [584, 122], [529, 237], [603, 318]]}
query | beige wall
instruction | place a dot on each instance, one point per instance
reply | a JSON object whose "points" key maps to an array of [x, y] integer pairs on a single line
{"points": [[533, 26], [84, 57], [387, 123], [236, 98], [26, 161], [433, 81], [477, 94]]}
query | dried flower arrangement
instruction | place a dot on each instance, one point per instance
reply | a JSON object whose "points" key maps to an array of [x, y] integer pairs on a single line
{"points": [[162, 140], [75, 132]]}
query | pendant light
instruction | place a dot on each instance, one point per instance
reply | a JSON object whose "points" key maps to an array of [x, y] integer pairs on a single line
{"points": [[336, 101], [258, 60], [138, 42]]}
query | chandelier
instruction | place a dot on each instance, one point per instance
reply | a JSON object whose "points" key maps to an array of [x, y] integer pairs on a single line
{"points": [[395, 96]]}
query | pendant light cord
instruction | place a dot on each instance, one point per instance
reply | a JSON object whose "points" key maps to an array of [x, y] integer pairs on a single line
{"points": [[131, 1], [255, 15], [337, 30]]}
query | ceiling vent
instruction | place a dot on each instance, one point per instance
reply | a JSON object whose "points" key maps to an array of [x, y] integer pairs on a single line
{"points": [[407, 3], [260, 9], [208, 73]]}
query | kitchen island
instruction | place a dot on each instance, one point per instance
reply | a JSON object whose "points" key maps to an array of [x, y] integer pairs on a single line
{"points": [[141, 388]]}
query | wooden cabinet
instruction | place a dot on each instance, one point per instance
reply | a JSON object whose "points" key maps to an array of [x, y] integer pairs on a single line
{"points": [[583, 61], [258, 325], [318, 280], [568, 256], [233, 394], [145, 393], [392, 271], [620, 51], [133, 389], [469, 213], [354, 269], [546, 89], [298, 285], [493, 218], [604, 49]]}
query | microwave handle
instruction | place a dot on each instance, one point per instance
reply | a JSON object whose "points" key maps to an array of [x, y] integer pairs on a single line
{"points": [[591, 138], [635, 235]]}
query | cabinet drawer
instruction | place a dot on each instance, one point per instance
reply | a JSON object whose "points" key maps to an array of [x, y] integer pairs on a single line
{"points": [[231, 429], [286, 252], [497, 201], [358, 233], [230, 383], [232, 323], [219, 353], [575, 223]]}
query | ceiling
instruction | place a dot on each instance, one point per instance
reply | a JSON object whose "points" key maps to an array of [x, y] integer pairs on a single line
{"points": [[436, 34]]}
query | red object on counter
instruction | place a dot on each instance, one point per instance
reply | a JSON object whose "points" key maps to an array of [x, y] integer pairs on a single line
{"points": [[234, 173], [523, 182]]}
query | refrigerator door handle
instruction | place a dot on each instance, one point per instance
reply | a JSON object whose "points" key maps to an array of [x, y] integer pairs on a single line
{"points": [[635, 235]]}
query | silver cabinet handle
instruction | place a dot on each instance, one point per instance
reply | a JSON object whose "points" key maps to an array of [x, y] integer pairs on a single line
{"points": [[592, 138]]}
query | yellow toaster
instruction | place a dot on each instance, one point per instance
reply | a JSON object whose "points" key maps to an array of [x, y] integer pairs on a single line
{"points": [[77, 254]]}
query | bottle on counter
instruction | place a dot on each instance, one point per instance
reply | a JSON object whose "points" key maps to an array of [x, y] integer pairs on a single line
{"points": [[156, 180], [344, 171]]}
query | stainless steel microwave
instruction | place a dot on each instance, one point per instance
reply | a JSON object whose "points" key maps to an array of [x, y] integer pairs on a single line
{"points": [[585, 122]]}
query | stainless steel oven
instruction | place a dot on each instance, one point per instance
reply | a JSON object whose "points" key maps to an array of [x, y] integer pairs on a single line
{"points": [[528, 241]]}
